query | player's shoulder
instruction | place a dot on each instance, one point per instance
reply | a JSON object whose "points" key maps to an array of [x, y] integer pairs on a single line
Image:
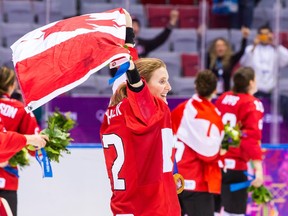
{"points": [[231, 98], [17, 103], [13, 102], [227, 98], [249, 102], [222, 96], [178, 110], [247, 98]]}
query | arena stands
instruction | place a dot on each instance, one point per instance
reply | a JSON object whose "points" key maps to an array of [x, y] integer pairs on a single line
{"points": [[181, 51]]}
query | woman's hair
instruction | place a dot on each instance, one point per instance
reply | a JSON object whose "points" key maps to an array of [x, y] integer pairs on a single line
{"points": [[205, 83], [242, 78], [213, 55], [145, 67], [7, 78]]}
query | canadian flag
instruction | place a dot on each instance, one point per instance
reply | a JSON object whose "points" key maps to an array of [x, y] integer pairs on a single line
{"points": [[57, 57], [199, 125]]}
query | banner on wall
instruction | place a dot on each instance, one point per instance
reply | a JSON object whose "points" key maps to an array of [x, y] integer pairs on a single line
{"points": [[276, 180], [89, 111]]}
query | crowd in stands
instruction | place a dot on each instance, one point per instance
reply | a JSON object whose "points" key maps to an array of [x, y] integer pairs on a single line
{"points": [[171, 30], [176, 42]]}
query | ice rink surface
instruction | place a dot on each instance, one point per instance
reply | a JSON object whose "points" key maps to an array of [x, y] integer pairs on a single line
{"points": [[80, 186]]}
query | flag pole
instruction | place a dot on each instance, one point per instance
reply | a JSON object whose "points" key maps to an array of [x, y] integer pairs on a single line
{"points": [[47, 105], [275, 94], [203, 28]]}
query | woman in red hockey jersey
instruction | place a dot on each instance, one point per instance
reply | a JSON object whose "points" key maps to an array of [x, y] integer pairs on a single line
{"points": [[7, 151], [198, 128], [239, 106], [14, 118], [137, 140]]}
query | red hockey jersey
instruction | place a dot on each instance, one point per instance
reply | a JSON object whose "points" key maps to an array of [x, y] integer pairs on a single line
{"points": [[137, 140], [198, 128], [7, 137], [15, 118], [246, 111]]}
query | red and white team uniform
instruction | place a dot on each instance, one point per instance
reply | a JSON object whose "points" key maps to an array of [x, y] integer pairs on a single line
{"points": [[7, 137], [138, 141], [15, 118], [246, 111], [198, 128]]}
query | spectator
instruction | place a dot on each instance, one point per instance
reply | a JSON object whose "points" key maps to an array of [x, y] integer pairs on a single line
{"points": [[198, 127], [240, 107], [144, 46], [262, 57], [221, 60]]}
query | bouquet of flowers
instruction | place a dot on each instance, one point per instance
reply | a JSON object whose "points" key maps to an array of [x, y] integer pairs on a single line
{"points": [[260, 195], [21, 159], [232, 136], [58, 127]]}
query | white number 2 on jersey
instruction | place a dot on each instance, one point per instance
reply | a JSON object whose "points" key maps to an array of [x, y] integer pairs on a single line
{"points": [[231, 118], [113, 139]]}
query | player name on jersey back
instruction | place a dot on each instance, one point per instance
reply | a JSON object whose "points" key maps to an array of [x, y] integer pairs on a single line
{"points": [[111, 113], [230, 100], [8, 110]]}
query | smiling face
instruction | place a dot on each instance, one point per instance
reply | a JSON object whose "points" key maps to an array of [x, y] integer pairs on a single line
{"points": [[158, 83]]}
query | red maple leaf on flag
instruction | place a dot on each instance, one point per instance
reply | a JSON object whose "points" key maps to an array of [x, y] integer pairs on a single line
{"points": [[205, 112], [74, 23]]}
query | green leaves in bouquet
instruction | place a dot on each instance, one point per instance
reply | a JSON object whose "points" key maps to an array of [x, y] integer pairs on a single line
{"points": [[62, 121], [260, 195], [58, 129], [21, 159], [232, 136]]}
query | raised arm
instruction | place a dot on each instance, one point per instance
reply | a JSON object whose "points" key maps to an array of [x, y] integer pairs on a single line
{"points": [[154, 43], [237, 56], [134, 80]]}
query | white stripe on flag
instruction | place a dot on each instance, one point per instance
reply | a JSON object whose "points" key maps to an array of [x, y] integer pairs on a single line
{"points": [[33, 42]]}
